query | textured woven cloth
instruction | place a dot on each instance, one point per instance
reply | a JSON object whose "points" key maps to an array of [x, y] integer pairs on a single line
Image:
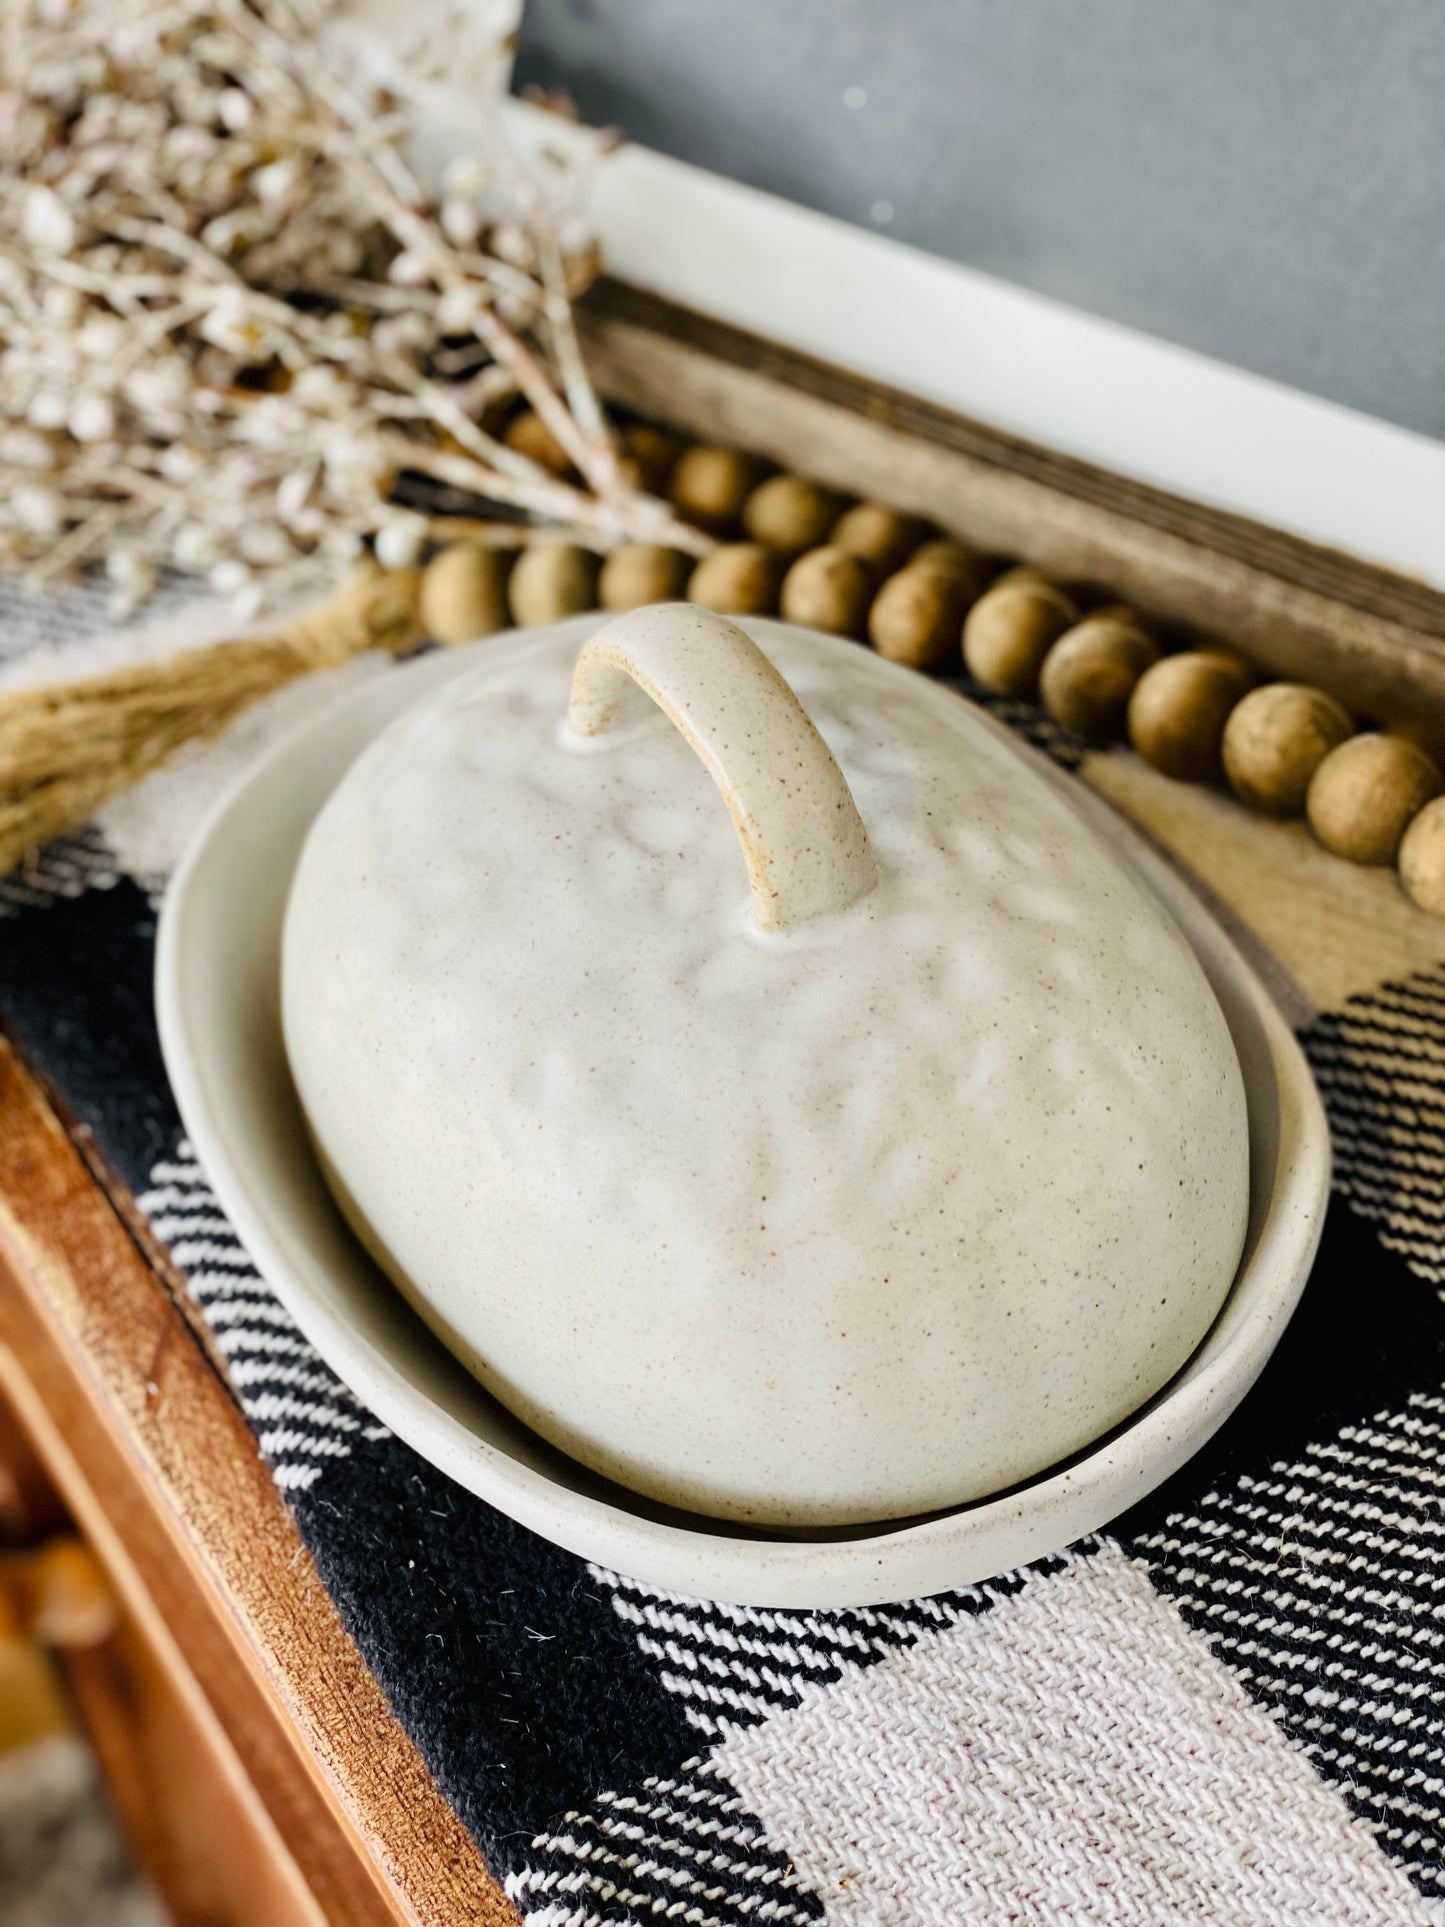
{"points": [[1226, 1709]]}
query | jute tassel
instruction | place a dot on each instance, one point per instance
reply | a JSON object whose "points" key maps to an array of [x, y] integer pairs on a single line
{"points": [[67, 749]]}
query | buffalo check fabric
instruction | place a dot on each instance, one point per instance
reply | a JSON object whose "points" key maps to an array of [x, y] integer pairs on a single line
{"points": [[1228, 1708]]}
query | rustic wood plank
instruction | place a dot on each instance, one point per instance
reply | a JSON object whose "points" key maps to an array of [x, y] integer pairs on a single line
{"points": [[160, 1469], [1374, 638]]}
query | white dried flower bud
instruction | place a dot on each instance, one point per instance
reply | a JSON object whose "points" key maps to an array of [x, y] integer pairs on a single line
{"points": [[291, 493], [311, 524], [132, 44], [460, 221], [101, 337], [274, 183], [465, 175], [344, 252], [400, 540], [143, 122], [62, 307], [92, 418], [273, 422], [159, 390], [408, 270], [323, 390], [401, 334], [134, 577], [189, 144], [356, 463], [23, 448], [179, 463], [236, 109], [194, 548], [48, 223], [264, 543], [96, 123], [247, 601], [226, 324], [512, 243], [222, 234], [37, 509], [457, 310], [48, 409], [229, 577]]}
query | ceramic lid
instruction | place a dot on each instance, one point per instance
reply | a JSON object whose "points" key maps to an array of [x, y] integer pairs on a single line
{"points": [[867, 1171]]}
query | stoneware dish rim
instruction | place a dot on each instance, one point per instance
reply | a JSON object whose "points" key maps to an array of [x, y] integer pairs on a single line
{"points": [[216, 988]]}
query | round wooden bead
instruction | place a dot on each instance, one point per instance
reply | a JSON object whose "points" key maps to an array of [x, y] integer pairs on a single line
{"points": [[550, 581], [1090, 673], [649, 455], [829, 589], [1275, 740], [916, 616], [1011, 628], [1364, 793], [879, 535], [1178, 711], [740, 579], [710, 486], [789, 513], [642, 572], [1024, 575], [1422, 858], [953, 558], [464, 593], [529, 435]]}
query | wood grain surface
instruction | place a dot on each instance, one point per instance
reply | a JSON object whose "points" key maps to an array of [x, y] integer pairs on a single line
{"points": [[159, 1469], [1375, 639]]}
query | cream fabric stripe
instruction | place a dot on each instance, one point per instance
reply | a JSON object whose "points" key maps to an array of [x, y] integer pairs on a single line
{"points": [[1078, 1756]]}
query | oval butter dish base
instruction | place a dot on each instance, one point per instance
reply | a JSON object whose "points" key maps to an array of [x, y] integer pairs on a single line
{"points": [[219, 1010]]}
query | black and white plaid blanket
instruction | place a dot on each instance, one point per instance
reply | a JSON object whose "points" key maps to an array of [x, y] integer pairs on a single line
{"points": [[1226, 1709]]}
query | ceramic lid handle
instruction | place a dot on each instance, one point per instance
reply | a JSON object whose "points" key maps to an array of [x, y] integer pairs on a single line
{"points": [[806, 848]]}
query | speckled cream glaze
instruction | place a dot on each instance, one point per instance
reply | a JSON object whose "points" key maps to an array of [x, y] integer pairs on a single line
{"points": [[871, 1217]]}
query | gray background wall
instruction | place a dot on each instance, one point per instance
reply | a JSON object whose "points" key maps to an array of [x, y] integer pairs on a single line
{"points": [[1263, 180]]}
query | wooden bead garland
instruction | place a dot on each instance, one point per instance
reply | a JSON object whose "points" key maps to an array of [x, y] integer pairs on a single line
{"points": [[551, 581], [1179, 708], [1284, 748], [789, 513], [1091, 671], [1364, 793], [740, 579], [463, 593], [1010, 630], [829, 589], [642, 572], [1274, 741]]}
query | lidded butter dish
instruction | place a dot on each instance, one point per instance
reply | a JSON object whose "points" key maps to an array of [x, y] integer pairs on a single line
{"points": [[855, 1143]]}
